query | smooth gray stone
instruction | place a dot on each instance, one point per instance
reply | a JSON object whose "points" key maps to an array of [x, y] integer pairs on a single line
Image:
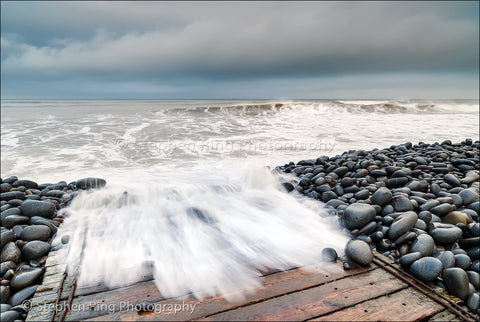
{"points": [[381, 197], [452, 180], [445, 234], [29, 184], [474, 253], [475, 206], [359, 252], [462, 261], [4, 293], [25, 278], [424, 244], [89, 183], [6, 237], [10, 252], [406, 237], [474, 229], [441, 210], [5, 187], [14, 220], [22, 295], [420, 224], [447, 258], [426, 216], [36, 232], [358, 215], [43, 209], [9, 316], [9, 212], [329, 255], [35, 250], [368, 228], [402, 224], [5, 266], [407, 259], [65, 239], [402, 204], [43, 221], [12, 195], [474, 278], [426, 269], [473, 302], [456, 281], [429, 204], [5, 307], [469, 195]]}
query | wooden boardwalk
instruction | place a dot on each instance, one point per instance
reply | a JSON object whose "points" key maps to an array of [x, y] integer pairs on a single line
{"points": [[309, 293]]}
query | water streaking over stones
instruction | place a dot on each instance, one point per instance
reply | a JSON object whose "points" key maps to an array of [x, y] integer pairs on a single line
{"points": [[209, 232], [417, 204]]}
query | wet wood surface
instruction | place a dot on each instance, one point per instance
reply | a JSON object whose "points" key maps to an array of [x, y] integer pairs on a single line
{"points": [[319, 292]]}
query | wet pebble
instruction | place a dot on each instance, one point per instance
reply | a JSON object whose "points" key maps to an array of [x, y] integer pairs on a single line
{"points": [[359, 252], [456, 281]]}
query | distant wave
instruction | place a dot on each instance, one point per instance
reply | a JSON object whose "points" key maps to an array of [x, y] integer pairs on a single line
{"points": [[355, 107]]}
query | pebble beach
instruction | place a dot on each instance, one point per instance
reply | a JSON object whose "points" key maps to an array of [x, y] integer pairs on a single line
{"points": [[417, 204]]}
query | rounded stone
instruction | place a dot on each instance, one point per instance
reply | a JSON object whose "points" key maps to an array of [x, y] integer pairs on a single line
{"points": [[456, 217], [358, 215], [9, 316], [426, 269], [6, 237], [381, 197], [462, 261], [25, 278], [473, 302], [445, 234], [22, 295], [4, 293], [29, 184], [10, 253], [89, 183], [424, 244], [9, 212], [14, 220], [5, 266], [35, 250], [447, 258], [43, 209], [407, 259], [441, 210], [474, 278], [469, 195], [36, 232], [402, 204], [359, 252], [402, 224], [452, 180], [329, 255], [456, 281]]}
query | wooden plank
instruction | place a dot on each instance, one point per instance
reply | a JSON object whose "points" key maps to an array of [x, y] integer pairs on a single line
{"points": [[444, 315], [274, 285], [113, 300], [317, 301], [405, 305]]}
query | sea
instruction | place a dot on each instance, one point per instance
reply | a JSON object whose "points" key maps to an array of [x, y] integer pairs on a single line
{"points": [[190, 197]]}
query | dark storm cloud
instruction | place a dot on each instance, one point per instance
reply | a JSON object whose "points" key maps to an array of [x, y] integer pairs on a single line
{"points": [[159, 44]]}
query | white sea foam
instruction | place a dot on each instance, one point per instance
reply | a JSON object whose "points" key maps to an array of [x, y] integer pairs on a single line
{"points": [[202, 231]]}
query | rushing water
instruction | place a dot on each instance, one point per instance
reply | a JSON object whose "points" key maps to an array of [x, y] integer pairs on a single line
{"points": [[188, 197]]}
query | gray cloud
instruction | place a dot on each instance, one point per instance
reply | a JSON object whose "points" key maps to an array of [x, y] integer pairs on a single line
{"points": [[157, 44]]}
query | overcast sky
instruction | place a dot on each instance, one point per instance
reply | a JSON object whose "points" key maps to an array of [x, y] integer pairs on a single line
{"points": [[272, 50]]}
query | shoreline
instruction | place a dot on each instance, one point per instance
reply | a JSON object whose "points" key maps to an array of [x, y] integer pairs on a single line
{"points": [[389, 199]]}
